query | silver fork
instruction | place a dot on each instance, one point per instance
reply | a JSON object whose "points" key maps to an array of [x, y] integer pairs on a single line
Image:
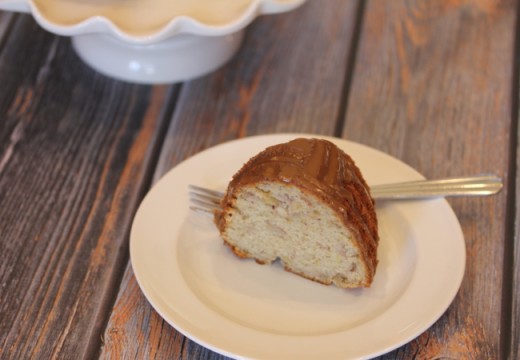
{"points": [[207, 200]]}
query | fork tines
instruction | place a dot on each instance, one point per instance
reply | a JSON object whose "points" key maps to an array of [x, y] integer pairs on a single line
{"points": [[203, 199]]}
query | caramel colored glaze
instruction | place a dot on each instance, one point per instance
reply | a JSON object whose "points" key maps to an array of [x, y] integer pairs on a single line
{"points": [[318, 167]]}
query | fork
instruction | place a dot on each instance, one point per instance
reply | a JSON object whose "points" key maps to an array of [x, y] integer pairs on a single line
{"points": [[208, 200]]}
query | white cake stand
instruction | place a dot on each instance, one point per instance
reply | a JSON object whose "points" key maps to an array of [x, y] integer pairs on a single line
{"points": [[109, 36]]}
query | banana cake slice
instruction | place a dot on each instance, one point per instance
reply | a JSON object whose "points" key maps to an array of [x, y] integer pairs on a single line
{"points": [[305, 203]]}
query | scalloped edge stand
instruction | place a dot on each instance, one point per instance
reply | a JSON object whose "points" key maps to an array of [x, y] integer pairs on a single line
{"points": [[182, 50]]}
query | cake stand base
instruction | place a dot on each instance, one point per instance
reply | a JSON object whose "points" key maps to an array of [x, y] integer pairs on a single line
{"points": [[179, 58]]}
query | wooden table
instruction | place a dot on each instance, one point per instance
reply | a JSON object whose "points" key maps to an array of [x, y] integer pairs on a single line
{"points": [[433, 83]]}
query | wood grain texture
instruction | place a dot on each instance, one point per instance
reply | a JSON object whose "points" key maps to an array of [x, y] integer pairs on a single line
{"points": [[514, 351], [6, 18], [271, 86], [432, 86], [75, 150]]}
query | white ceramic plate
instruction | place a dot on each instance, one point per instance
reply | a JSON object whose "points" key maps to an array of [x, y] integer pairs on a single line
{"points": [[241, 309]]}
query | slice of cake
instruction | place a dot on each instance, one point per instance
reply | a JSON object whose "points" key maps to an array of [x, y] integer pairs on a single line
{"points": [[306, 203]]}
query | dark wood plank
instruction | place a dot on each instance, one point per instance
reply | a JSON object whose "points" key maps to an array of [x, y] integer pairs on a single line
{"points": [[5, 20], [514, 351], [514, 249], [275, 84], [76, 151], [432, 86]]}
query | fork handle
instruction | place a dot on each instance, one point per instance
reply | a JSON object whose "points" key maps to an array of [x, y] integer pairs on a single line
{"points": [[473, 185]]}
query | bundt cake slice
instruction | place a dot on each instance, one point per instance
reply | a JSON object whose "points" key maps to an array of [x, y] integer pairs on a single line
{"points": [[305, 203]]}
